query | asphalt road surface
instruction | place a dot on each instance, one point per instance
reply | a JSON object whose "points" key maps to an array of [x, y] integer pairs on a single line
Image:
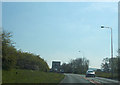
{"points": [[76, 79]]}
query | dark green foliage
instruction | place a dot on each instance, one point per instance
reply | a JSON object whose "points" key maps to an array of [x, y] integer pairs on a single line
{"points": [[79, 65], [106, 65], [8, 52], [119, 68], [110, 63], [30, 61], [12, 58]]}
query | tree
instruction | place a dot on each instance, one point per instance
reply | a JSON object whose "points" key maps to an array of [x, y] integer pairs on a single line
{"points": [[12, 58], [31, 61], [79, 65], [110, 63], [118, 68], [8, 51], [0, 50], [105, 65]]}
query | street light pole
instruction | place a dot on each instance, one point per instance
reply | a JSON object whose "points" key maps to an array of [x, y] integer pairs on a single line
{"points": [[112, 52], [111, 49], [111, 45], [82, 53]]}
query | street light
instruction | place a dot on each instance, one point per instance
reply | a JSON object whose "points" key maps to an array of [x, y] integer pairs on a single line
{"points": [[82, 53], [111, 48]]}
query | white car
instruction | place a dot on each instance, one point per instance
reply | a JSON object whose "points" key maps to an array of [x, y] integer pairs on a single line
{"points": [[90, 73]]}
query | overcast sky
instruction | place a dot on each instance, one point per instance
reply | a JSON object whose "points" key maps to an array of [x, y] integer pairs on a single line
{"points": [[57, 31]]}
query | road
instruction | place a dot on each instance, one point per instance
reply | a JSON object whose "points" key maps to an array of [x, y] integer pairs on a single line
{"points": [[76, 79]]}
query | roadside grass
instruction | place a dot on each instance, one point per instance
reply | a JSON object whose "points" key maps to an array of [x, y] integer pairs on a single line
{"points": [[106, 75], [30, 76]]}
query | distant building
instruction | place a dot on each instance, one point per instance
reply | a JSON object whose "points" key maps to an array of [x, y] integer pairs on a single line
{"points": [[56, 66]]}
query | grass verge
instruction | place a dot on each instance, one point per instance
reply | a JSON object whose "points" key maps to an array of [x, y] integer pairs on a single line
{"points": [[106, 75], [29, 76]]}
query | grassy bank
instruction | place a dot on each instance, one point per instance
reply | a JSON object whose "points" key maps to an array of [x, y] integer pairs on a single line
{"points": [[29, 76], [106, 75]]}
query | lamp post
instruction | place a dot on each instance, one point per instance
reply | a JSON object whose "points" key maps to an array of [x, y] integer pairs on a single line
{"points": [[82, 53], [111, 49]]}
